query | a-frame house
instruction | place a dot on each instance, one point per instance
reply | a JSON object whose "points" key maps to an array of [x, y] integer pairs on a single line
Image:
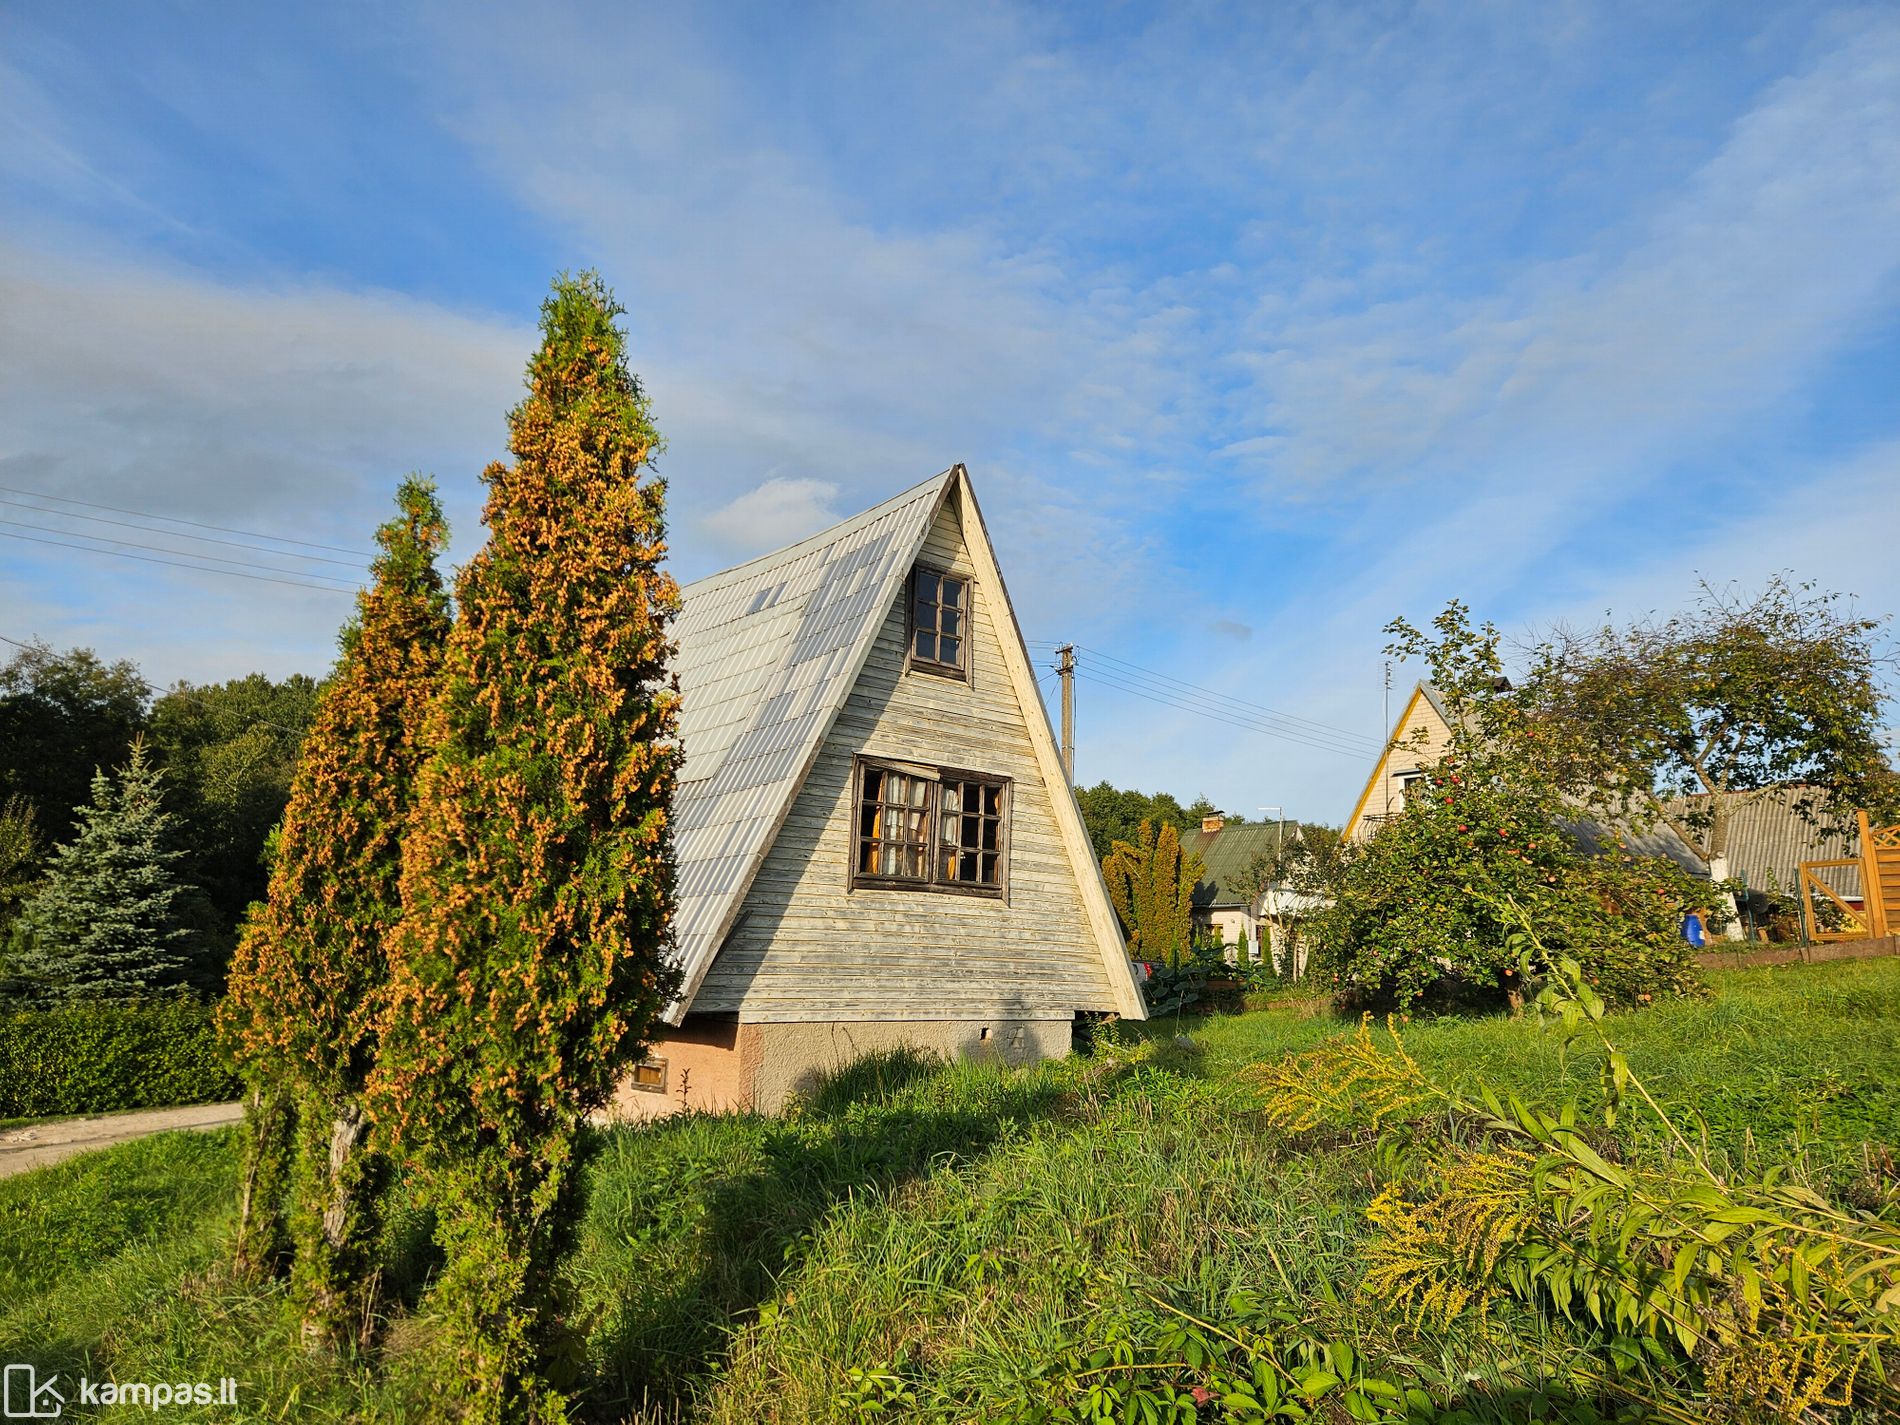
{"points": [[877, 846]]}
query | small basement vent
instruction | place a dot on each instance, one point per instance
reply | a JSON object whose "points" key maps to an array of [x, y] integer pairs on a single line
{"points": [[649, 1075]]}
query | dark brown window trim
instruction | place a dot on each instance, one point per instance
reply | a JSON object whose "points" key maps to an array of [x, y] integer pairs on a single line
{"points": [[857, 881], [912, 659]]}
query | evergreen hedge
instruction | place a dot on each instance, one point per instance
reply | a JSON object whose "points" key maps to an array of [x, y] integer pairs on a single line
{"points": [[98, 1057]]}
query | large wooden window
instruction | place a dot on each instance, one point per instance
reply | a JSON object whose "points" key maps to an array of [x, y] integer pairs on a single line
{"points": [[931, 829], [970, 832], [939, 622]]}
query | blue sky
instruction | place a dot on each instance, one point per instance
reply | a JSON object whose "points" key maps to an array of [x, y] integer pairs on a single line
{"points": [[1256, 325]]}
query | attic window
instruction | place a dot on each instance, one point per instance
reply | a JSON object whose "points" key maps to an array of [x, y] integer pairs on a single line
{"points": [[931, 829], [939, 622]]}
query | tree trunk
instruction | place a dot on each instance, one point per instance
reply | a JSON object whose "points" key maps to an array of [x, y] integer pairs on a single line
{"points": [[263, 1241], [343, 1181]]}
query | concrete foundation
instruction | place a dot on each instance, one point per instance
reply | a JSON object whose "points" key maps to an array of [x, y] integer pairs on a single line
{"points": [[719, 1066]]}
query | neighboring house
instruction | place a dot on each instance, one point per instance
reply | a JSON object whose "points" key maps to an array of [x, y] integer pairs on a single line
{"points": [[1419, 738], [1226, 902], [877, 846], [1768, 839], [1422, 735]]}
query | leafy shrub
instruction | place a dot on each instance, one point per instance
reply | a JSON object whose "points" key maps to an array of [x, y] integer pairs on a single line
{"points": [[98, 1057], [1416, 917], [1776, 1300]]}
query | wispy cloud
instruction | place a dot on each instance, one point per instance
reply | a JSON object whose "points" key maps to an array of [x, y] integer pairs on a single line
{"points": [[291, 412], [1271, 318], [777, 513]]}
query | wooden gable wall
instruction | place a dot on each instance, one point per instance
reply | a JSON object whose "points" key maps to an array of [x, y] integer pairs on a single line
{"points": [[807, 947], [1419, 739]]}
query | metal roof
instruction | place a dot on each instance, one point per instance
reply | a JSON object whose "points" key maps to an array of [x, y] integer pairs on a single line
{"points": [[768, 653], [1768, 838], [1227, 855]]}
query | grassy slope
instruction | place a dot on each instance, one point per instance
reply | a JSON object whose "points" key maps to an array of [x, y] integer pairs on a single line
{"points": [[944, 1227]]}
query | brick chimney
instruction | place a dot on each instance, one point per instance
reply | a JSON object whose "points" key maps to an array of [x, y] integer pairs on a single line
{"points": [[1213, 823]]}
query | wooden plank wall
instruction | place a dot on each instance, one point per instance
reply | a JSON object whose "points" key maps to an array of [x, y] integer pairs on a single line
{"points": [[1403, 755], [807, 947]]}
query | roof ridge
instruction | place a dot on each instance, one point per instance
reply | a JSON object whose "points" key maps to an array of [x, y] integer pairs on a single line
{"points": [[828, 535]]}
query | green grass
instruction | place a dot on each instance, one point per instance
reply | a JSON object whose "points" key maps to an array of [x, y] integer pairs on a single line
{"points": [[946, 1228]]}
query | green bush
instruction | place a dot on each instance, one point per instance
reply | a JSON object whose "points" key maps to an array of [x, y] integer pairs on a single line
{"points": [[1417, 920], [97, 1057]]}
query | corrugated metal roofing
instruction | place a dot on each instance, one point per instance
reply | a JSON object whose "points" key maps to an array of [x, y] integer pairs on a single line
{"points": [[1769, 839], [1227, 855], [768, 652]]}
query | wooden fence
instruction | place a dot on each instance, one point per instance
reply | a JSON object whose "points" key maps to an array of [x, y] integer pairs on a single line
{"points": [[1798, 954], [1878, 914]]}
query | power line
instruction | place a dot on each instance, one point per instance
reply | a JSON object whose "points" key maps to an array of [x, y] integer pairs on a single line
{"points": [[174, 519], [1166, 684], [1216, 716], [1254, 709], [176, 534], [177, 563], [167, 549]]}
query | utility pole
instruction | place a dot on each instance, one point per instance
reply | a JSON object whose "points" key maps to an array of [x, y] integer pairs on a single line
{"points": [[1385, 722], [1067, 669]]}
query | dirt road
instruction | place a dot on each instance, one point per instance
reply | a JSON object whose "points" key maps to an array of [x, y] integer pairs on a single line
{"points": [[37, 1144]]}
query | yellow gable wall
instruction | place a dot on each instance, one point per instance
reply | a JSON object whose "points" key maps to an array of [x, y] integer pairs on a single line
{"points": [[1420, 738], [808, 947]]}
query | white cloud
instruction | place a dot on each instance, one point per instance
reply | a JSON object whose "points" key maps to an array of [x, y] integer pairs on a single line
{"points": [[292, 412], [1777, 251], [777, 513]]}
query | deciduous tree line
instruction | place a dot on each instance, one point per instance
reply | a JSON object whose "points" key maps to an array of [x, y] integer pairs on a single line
{"points": [[104, 786]]}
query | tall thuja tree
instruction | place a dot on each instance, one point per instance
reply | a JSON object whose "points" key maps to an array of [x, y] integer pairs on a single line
{"points": [[105, 922], [538, 884], [1151, 883], [309, 979]]}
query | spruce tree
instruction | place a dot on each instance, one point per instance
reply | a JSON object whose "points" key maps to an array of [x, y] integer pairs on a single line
{"points": [[538, 884], [309, 977], [105, 922]]}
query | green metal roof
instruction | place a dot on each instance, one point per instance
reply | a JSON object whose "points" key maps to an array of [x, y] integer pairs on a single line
{"points": [[1227, 854]]}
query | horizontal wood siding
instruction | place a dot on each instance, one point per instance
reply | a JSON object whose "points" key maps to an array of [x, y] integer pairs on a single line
{"points": [[808, 947]]}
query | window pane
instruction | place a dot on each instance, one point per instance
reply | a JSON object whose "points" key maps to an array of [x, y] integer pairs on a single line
{"points": [[927, 587], [989, 869], [951, 621], [990, 830], [966, 866], [952, 593], [947, 650], [926, 645], [952, 798], [919, 791]]}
